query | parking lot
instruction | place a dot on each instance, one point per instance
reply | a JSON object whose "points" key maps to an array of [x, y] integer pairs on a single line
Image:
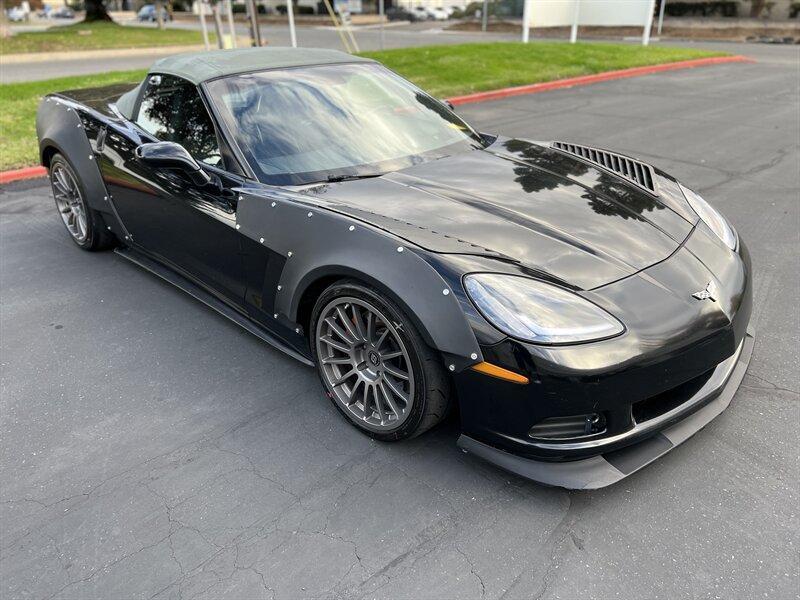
{"points": [[152, 449]]}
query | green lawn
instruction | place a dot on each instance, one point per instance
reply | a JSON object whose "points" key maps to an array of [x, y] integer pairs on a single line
{"points": [[441, 70], [18, 147], [455, 70], [94, 36]]}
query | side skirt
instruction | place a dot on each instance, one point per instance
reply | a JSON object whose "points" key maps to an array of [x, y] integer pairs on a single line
{"points": [[209, 300]]}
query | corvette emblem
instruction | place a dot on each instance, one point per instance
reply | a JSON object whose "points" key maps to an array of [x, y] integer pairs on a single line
{"points": [[708, 293]]}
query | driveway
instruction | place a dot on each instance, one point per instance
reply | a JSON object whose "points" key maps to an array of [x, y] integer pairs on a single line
{"points": [[150, 448]]}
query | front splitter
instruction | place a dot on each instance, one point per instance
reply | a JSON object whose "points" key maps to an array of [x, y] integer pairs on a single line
{"points": [[604, 469]]}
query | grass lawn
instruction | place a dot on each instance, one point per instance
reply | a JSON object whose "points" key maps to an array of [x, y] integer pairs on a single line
{"points": [[446, 71], [441, 70], [94, 36], [18, 146]]}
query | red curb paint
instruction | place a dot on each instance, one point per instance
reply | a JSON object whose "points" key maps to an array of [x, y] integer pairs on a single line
{"points": [[32, 172], [19, 174], [589, 79]]}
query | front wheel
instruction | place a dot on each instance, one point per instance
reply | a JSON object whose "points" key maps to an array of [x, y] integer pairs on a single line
{"points": [[374, 365], [85, 226]]}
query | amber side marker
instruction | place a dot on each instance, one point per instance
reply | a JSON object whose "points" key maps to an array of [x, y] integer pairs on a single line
{"points": [[499, 372]]}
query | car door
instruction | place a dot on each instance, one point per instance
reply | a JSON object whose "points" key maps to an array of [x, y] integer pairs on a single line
{"points": [[189, 226]]}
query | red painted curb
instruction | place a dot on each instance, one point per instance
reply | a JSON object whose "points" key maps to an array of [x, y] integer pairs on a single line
{"points": [[19, 174], [536, 88], [31, 172]]}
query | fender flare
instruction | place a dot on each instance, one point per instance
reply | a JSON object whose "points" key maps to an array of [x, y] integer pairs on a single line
{"points": [[60, 125], [317, 242]]}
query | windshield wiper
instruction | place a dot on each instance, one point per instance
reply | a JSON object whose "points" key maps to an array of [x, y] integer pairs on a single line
{"points": [[338, 178]]}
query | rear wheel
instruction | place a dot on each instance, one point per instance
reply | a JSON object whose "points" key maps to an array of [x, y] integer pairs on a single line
{"points": [[85, 225], [374, 364]]}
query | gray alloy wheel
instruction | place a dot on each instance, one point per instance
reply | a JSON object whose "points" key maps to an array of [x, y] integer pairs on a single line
{"points": [[365, 364], [70, 202]]}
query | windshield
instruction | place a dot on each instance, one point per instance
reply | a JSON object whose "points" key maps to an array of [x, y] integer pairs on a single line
{"points": [[299, 126]]}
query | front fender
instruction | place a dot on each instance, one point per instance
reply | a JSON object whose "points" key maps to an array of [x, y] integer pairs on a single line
{"points": [[319, 242]]}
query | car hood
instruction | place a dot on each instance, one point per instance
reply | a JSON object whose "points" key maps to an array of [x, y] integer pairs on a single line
{"points": [[523, 202]]}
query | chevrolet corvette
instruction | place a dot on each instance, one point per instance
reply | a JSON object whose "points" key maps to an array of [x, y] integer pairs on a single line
{"points": [[583, 311]]}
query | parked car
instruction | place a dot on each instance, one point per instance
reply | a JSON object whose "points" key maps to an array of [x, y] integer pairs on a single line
{"points": [[64, 12], [421, 12], [398, 13], [148, 14], [586, 311], [16, 14], [437, 14]]}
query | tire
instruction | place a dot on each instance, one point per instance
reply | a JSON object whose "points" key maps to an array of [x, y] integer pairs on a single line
{"points": [[85, 225], [383, 414]]}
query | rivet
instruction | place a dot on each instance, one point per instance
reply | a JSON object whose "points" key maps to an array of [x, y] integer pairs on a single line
{"points": [[127, 237], [279, 288], [473, 356], [261, 240], [275, 316], [310, 214], [91, 157], [297, 330], [105, 198], [109, 228], [289, 254], [238, 226], [79, 124], [400, 248], [351, 228], [241, 198], [446, 292], [452, 367], [273, 204]]}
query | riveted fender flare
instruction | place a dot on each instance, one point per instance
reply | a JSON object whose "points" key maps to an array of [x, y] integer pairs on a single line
{"points": [[59, 124], [317, 241]]}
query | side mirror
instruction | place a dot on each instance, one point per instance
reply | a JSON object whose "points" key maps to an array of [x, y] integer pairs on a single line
{"points": [[169, 155], [448, 104]]}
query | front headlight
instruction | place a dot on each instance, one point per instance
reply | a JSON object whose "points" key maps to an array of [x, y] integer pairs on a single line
{"points": [[538, 312], [711, 217]]}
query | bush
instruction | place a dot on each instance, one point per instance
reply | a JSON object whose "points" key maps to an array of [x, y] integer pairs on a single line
{"points": [[239, 9], [298, 10], [723, 8]]}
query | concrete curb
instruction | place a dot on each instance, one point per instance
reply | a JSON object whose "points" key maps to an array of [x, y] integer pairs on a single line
{"points": [[32, 172]]}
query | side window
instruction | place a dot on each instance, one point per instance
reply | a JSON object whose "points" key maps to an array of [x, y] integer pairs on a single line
{"points": [[172, 111]]}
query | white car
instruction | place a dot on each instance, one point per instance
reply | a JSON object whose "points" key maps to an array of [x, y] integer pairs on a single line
{"points": [[16, 14], [438, 14]]}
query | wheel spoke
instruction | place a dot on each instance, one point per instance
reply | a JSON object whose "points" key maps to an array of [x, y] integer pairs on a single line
{"points": [[379, 404], [389, 400], [346, 322], [334, 343], [381, 339], [352, 398], [396, 390], [395, 371], [370, 320], [391, 355], [337, 360], [338, 331], [359, 323], [339, 381]]}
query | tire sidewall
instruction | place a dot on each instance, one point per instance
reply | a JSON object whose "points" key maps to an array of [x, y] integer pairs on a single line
{"points": [[408, 335]]}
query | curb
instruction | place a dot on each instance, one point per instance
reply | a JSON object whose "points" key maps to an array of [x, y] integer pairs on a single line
{"points": [[32, 172], [20, 174], [37, 57], [547, 86]]}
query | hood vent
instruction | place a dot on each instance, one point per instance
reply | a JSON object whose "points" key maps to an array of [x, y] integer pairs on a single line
{"points": [[634, 171]]}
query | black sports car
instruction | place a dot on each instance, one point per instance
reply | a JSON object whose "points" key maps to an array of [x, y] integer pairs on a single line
{"points": [[584, 310]]}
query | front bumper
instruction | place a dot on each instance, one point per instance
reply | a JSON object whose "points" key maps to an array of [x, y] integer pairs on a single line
{"points": [[604, 469]]}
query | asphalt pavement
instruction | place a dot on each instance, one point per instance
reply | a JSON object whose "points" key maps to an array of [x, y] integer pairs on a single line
{"points": [[149, 448]]}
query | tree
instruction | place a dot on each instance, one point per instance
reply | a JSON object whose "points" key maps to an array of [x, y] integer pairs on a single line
{"points": [[96, 11]]}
